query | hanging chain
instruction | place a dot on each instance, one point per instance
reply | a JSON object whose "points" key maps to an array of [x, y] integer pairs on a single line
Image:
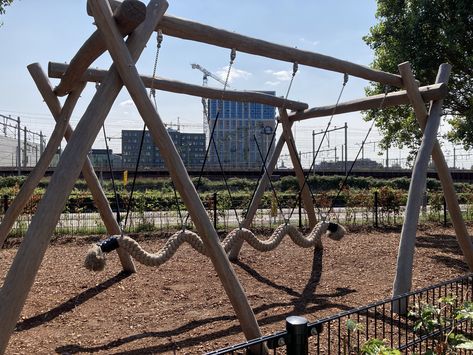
{"points": [[152, 90], [381, 105]]}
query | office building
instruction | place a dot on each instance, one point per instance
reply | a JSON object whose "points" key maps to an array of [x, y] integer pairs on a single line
{"points": [[239, 126]]}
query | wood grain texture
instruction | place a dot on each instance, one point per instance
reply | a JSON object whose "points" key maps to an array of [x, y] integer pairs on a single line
{"points": [[56, 70], [128, 15], [21, 275], [177, 170], [431, 92], [405, 259], [441, 165]]}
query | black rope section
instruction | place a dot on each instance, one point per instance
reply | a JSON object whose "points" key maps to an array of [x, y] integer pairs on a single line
{"points": [[114, 186], [212, 143], [295, 68], [152, 94], [312, 166], [342, 185]]}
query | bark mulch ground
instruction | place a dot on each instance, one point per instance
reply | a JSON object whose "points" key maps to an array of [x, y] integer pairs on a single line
{"points": [[181, 306]]}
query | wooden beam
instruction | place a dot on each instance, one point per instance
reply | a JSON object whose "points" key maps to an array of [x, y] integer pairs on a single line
{"points": [[441, 165], [194, 31], [405, 258], [98, 195], [263, 183], [128, 15], [428, 93], [131, 79], [21, 275], [291, 146], [33, 179], [57, 70]]}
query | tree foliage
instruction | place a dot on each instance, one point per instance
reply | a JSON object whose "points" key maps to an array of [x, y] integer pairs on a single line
{"points": [[426, 33], [3, 4]]}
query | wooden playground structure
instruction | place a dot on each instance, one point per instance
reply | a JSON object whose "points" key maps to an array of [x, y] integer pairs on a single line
{"points": [[137, 22]]}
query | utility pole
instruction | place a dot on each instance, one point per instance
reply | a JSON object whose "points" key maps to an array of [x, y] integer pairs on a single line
{"points": [[387, 157], [346, 149], [41, 143], [313, 146], [25, 152], [454, 157], [18, 149]]}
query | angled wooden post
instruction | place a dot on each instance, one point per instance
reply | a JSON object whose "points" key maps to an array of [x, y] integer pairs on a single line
{"points": [[445, 177], [25, 265], [403, 278], [62, 127], [33, 179], [129, 74], [291, 145], [263, 183]]}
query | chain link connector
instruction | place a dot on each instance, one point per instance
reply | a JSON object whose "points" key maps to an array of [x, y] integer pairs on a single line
{"points": [[232, 55], [345, 79], [295, 68], [159, 38]]}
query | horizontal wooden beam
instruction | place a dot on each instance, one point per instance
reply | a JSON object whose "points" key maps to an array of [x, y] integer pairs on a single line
{"points": [[429, 93], [57, 70], [194, 31]]}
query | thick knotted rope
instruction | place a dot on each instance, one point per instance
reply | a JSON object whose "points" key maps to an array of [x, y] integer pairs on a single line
{"points": [[95, 259]]}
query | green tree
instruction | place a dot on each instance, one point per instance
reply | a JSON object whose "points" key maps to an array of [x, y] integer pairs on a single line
{"points": [[426, 33], [3, 4]]}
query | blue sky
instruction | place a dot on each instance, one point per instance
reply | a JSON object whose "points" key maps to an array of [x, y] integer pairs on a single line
{"points": [[53, 30]]}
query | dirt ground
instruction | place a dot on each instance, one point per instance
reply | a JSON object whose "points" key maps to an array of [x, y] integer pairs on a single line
{"points": [[181, 306]]}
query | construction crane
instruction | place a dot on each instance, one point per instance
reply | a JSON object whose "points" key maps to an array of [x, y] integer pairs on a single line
{"points": [[205, 80]]}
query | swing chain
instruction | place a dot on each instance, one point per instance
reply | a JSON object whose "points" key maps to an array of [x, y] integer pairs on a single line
{"points": [[295, 68], [345, 79], [159, 40]]}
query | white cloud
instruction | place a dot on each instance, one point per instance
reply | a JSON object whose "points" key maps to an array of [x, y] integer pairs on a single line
{"points": [[282, 75], [307, 41], [272, 83], [127, 103], [234, 74]]}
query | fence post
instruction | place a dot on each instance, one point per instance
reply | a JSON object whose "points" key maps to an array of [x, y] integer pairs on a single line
{"points": [[300, 211], [444, 212], [5, 203], [297, 337], [376, 209], [215, 210]]}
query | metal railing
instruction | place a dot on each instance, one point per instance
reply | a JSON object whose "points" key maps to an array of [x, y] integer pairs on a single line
{"points": [[347, 332]]}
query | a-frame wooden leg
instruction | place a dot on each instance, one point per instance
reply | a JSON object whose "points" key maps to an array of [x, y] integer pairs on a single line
{"points": [[98, 195], [131, 79], [291, 146], [33, 179], [405, 258], [445, 177], [25, 265], [263, 183]]}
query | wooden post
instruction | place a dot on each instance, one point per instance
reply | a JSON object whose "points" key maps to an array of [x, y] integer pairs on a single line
{"points": [[306, 197], [129, 74], [27, 188], [98, 195], [263, 183], [25, 265], [403, 278], [128, 15], [445, 177]]}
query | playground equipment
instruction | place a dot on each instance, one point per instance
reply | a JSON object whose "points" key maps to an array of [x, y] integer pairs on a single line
{"points": [[132, 18]]}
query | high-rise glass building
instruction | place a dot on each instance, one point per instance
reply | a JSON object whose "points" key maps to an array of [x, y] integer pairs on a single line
{"points": [[239, 126]]}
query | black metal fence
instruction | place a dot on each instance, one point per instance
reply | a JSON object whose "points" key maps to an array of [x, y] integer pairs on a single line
{"points": [[432, 315], [81, 217]]}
